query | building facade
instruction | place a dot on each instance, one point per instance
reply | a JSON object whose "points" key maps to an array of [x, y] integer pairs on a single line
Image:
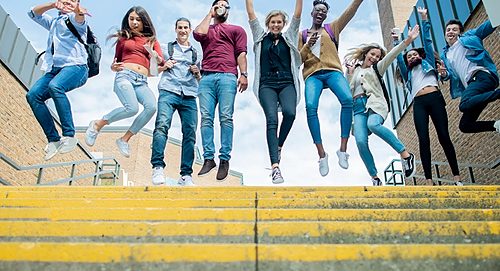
{"points": [[480, 148]]}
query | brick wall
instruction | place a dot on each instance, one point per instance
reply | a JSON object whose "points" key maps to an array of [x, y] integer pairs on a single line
{"points": [[480, 148], [138, 166], [23, 141]]}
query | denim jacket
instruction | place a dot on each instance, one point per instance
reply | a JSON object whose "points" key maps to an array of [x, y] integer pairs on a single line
{"points": [[472, 40], [428, 63]]}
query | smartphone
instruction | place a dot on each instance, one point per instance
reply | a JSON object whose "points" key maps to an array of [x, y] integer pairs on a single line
{"points": [[396, 33]]}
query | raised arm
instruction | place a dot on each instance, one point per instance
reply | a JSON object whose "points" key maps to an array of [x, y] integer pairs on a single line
{"points": [[383, 64], [41, 9], [298, 9], [426, 33], [250, 10], [347, 15], [203, 27]]}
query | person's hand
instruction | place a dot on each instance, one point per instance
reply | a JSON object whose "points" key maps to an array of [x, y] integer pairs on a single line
{"points": [[242, 83], [116, 66], [194, 69], [394, 36], [442, 69], [312, 40], [212, 11], [58, 5], [423, 12], [350, 67], [79, 9], [169, 64], [412, 34]]}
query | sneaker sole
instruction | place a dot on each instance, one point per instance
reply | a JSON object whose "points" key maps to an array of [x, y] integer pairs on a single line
{"points": [[52, 156], [280, 181], [158, 183], [206, 174], [90, 126], [220, 181]]}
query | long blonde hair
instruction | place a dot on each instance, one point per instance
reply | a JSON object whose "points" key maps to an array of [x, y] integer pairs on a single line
{"points": [[358, 54], [273, 13]]}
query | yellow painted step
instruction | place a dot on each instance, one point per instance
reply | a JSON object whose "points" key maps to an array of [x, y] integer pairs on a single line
{"points": [[251, 188], [247, 214], [273, 229], [263, 203], [115, 252], [244, 194], [379, 214], [131, 214]]}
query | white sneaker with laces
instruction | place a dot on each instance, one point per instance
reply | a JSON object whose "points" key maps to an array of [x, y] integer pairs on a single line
{"points": [[68, 144], [123, 147], [52, 148], [323, 165], [276, 176], [459, 183], [186, 181], [158, 178], [91, 134], [343, 157], [497, 125]]}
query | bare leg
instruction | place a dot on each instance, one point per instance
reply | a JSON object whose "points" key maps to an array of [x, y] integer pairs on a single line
{"points": [[98, 124], [321, 150], [404, 154], [127, 136], [343, 144], [429, 182]]}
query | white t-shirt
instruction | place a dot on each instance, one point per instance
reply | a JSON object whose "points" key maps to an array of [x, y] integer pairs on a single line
{"points": [[358, 88], [316, 48], [459, 63], [184, 48], [420, 80]]}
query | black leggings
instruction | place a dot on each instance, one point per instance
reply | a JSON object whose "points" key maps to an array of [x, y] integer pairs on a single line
{"points": [[272, 91], [433, 105]]}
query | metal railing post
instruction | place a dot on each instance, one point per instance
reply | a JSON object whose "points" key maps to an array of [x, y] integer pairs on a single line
{"points": [[471, 175], [72, 174], [95, 177], [437, 172], [40, 176]]}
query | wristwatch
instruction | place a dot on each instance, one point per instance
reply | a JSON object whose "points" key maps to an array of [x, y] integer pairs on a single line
{"points": [[244, 74]]}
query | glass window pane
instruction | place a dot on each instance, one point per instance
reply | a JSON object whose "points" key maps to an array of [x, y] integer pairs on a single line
{"points": [[436, 26], [447, 10], [462, 10], [474, 2], [413, 22]]}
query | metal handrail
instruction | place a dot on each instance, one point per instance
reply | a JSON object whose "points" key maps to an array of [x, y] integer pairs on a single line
{"points": [[395, 172], [99, 169]]}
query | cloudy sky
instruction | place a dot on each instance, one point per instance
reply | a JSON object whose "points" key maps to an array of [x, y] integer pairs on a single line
{"points": [[250, 156]]}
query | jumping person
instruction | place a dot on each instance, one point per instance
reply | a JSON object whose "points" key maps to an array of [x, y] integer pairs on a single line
{"points": [[370, 106], [65, 66], [472, 74], [323, 68], [418, 69], [277, 62], [224, 50], [131, 64], [178, 88]]}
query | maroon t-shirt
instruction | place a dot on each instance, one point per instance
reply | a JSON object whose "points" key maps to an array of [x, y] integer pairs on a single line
{"points": [[221, 47]]}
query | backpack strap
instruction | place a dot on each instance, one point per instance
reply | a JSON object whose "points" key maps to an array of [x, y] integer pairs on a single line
{"points": [[194, 55], [170, 50], [384, 89], [328, 29], [73, 30], [304, 36]]}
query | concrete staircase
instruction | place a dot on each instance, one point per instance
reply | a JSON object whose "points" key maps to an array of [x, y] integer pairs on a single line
{"points": [[250, 228]]}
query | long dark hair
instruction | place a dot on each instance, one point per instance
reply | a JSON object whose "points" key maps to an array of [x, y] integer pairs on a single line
{"points": [[422, 54], [126, 31]]}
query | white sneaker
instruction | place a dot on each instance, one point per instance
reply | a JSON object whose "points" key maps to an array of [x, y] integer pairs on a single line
{"points": [[52, 148], [68, 144], [497, 125], [91, 134], [186, 181], [323, 165], [158, 177], [343, 157], [276, 176], [123, 147]]}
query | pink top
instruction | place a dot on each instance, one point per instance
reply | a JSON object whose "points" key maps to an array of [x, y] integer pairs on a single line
{"points": [[132, 51]]}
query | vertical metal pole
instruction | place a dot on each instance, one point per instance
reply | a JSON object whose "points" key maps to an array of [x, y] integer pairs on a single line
{"points": [[95, 176], [72, 174], [40, 176], [471, 175], [437, 172]]}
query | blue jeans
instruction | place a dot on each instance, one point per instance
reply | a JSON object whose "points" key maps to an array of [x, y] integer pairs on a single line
{"points": [[365, 122], [55, 84], [217, 88], [187, 108], [132, 88], [340, 87]]}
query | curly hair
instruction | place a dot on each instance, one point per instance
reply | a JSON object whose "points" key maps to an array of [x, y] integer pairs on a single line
{"points": [[422, 54], [323, 2]]}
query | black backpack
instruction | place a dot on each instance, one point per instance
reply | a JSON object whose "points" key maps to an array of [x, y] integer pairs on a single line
{"points": [[382, 83], [92, 47], [170, 48]]}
